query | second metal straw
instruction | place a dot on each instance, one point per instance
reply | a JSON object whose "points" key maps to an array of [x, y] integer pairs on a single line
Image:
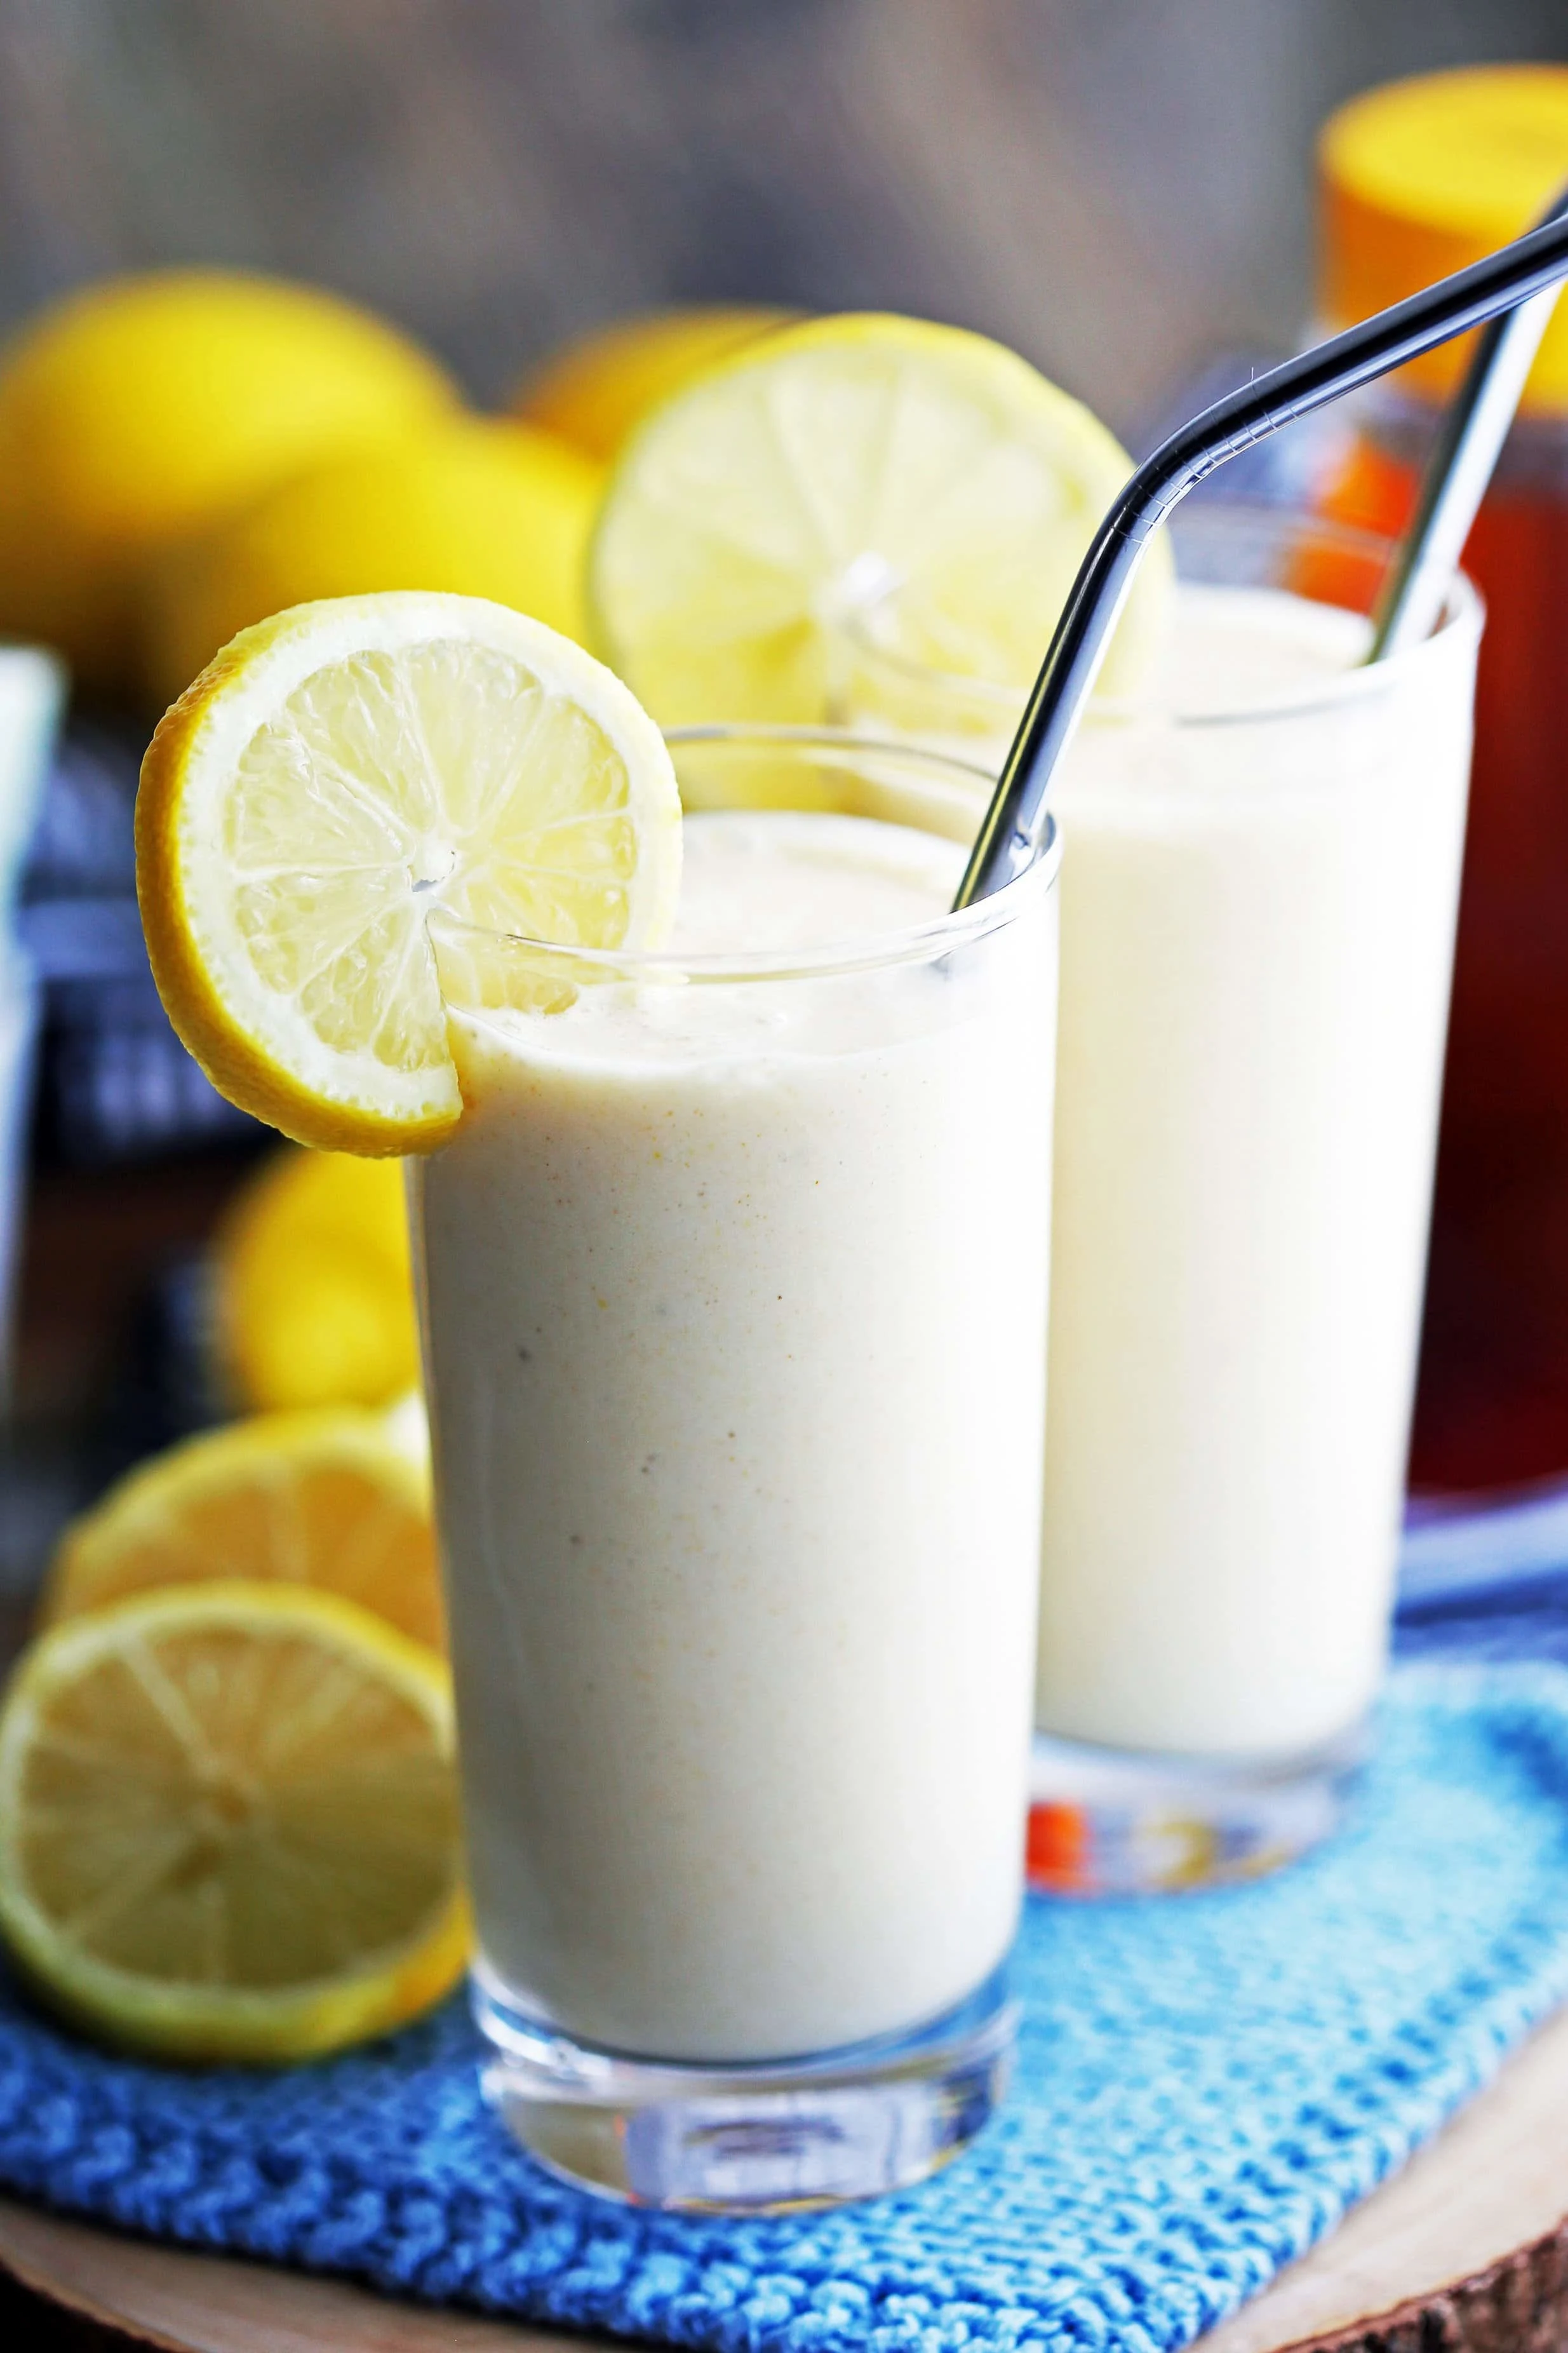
{"points": [[1015, 823], [1471, 436]]}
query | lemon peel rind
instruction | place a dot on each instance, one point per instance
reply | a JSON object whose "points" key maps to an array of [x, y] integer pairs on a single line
{"points": [[206, 733], [309, 1437], [192, 2022]]}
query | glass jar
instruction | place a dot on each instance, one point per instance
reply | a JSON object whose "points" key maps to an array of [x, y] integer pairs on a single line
{"points": [[1419, 179]]}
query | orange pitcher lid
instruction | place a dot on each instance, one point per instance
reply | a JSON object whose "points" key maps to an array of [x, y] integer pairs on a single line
{"points": [[1421, 177]]}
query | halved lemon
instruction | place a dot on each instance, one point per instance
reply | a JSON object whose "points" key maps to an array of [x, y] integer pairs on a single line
{"points": [[325, 1498], [857, 470], [228, 1823], [335, 775]]}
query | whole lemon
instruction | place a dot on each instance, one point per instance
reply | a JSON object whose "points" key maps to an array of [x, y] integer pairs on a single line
{"points": [[314, 1297], [595, 390], [486, 508], [144, 407]]}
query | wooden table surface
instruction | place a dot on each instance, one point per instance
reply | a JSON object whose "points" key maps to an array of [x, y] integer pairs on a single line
{"points": [[1466, 2248]]}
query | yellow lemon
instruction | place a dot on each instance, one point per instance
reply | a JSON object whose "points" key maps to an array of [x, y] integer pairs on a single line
{"points": [[834, 470], [315, 1300], [339, 775], [597, 387], [143, 408], [324, 1498], [228, 1823], [480, 508]]}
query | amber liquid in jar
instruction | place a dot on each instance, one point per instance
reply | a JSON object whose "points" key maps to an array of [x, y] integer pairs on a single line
{"points": [[1492, 1397]]}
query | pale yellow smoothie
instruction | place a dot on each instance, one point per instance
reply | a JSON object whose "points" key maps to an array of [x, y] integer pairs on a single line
{"points": [[1260, 872], [1258, 924], [736, 1302]]}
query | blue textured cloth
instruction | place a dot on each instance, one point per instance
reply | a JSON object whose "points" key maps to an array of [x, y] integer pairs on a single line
{"points": [[1205, 2084]]}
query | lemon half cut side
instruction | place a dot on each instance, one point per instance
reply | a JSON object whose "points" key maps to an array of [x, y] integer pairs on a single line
{"points": [[228, 1823], [336, 776], [323, 1498]]}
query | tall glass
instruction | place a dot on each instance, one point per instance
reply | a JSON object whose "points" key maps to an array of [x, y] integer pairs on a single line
{"points": [[1261, 869], [734, 1299], [32, 697]]}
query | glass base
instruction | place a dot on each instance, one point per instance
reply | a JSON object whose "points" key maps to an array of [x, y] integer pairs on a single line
{"points": [[774, 2138], [1110, 1821]]}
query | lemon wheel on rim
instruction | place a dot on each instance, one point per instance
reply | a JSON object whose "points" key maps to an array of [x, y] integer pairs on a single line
{"points": [[335, 775]]}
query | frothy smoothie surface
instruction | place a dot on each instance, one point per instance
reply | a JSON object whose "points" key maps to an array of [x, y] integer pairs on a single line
{"points": [[1249, 649], [755, 883], [782, 879]]}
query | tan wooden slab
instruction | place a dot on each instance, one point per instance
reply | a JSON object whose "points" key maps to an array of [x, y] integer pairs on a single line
{"points": [[1468, 2247]]}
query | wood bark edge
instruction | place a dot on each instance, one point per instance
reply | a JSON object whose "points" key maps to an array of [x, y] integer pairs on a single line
{"points": [[1517, 2305]]}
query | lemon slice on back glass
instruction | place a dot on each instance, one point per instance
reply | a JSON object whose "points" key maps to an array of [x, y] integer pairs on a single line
{"points": [[335, 775], [856, 466], [228, 1823]]}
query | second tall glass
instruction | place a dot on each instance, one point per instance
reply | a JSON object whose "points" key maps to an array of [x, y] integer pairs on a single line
{"points": [[1261, 866]]}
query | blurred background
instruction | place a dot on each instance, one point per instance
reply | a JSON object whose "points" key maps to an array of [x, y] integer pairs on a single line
{"points": [[1125, 193], [1120, 193]]}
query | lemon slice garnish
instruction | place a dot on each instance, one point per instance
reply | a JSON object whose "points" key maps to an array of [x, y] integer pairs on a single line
{"points": [[855, 466], [228, 1823], [338, 773]]}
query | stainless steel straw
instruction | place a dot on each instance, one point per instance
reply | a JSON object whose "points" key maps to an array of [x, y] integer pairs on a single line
{"points": [[1473, 428], [1014, 825]]}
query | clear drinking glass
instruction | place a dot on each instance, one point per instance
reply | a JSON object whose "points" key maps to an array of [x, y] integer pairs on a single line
{"points": [[32, 697], [734, 1299], [1262, 865]]}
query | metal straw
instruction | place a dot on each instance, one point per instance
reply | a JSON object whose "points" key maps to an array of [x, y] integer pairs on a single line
{"points": [[1461, 467], [1014, 825]]}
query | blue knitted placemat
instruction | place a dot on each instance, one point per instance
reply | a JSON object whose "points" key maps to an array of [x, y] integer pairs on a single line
{"points": [[1205, 2084]]}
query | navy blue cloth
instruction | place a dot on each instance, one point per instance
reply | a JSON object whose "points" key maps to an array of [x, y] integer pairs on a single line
{"points": [[1205, 2084], [1487, 1584], [115, 1082]]}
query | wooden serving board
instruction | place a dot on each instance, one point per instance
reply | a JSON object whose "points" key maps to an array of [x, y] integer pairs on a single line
{"points": [[1466, 2248]]}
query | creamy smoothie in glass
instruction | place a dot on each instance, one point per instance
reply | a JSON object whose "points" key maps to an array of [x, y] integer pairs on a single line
{"points": [[1261, 864], [734, 1287]]}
